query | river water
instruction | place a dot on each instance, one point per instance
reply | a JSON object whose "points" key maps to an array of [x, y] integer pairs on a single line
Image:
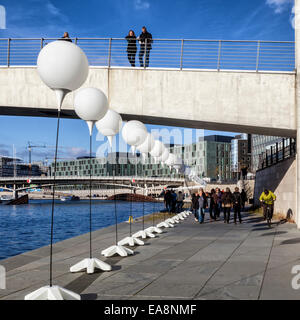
{"points": [[27, 227]]}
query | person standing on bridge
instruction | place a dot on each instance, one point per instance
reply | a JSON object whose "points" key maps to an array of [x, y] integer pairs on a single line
{"points": [[202, 201], [131, 47], [66, 37], [168, 200], [145, 40]]}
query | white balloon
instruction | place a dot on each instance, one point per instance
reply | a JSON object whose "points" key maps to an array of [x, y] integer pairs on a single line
{"points": [[110, 124], [62, 65], [164, 156], [171, 160], [134, 133], [158, 149], [147, 145], [90, 104]]}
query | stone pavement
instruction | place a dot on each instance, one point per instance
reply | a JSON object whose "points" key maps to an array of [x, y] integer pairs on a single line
{"points": [[190, 261]]}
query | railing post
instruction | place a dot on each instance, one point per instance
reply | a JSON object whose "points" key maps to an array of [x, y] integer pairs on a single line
{"points": [[219, 55], [257, 55], [76, 39], [271, 155], [277, 152], [42, 43], [291, 150], [181, 54], [109, 52], [145, 53], [8, 52]]}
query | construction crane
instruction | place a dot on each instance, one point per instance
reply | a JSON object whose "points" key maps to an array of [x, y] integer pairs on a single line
{"points": [[29, 147]]}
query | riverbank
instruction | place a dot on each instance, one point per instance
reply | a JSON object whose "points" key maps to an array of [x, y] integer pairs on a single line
{"points": [[191, 261]]}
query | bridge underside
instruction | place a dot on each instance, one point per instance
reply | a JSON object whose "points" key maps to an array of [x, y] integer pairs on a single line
{"points": [[194, 124], [249, 102]]}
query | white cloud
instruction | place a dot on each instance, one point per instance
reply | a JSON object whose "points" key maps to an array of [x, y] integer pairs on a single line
{"points": [[52, 9], [279, 5], [141, 5]]}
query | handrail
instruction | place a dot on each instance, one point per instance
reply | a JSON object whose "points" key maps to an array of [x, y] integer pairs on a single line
{"points": [[181, 54]]}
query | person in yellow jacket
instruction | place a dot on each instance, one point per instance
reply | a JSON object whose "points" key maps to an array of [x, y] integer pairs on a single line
{"points": [[267, 198]]}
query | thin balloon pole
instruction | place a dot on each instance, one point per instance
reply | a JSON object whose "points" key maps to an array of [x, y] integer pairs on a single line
{"points": [[90, 205], [130, 227], [115, 202], [53, 197]]}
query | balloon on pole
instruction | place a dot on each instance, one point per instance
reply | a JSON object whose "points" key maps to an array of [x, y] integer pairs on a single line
{"points": [[134, 133], [90, 105], [63, 67], [147, 145], [110, 125]]}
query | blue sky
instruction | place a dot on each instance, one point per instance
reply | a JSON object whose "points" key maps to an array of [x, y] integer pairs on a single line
{"points": [[190, 19]]}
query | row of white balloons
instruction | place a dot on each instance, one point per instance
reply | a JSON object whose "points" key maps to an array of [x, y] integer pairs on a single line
{"points": [[68, 73], [91, 105]]}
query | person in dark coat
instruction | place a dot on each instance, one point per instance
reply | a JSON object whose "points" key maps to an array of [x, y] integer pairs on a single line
{"points": [[212, 205], [131, 47], [227, 203], [168, 200], [195, 205], [145, 40], [202, 203], [66, 37], [237, 204], [244, 198]]}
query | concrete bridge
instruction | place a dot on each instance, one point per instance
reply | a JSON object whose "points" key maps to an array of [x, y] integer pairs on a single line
{"points": [[18, 184], [218, 95]]}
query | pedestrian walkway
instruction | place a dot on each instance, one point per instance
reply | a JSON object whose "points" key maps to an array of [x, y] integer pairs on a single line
{"points": [[191, 261]]}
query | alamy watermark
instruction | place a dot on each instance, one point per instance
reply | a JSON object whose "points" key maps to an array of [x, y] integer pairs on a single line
{"points": [[2, 278]]}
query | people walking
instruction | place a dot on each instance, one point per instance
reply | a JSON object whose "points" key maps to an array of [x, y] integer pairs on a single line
{"points": [[195, 205], [131, 47], [174, 199], [168, 200], [66, 37], [202, 205], [227, 202], [145, 40], [213, 205], [237, 205], [179, 203], [244, 198], [218, 201]]}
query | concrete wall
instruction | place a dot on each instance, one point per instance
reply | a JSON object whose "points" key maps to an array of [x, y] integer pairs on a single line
{"points": [[262, 103], [280, 179]]}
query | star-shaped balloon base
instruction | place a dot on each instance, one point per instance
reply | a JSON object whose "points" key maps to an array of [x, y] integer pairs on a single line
{"points": [[52, 293], [131, 241], [144, 234], [90, 265], [118, 250], [154, 230], [165, 224]]}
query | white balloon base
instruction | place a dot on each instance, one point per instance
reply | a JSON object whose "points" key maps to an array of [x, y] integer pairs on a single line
{"points": [[165, 224], [119, 250], [173, 220], [90, 265], [52, 293], [144, 234], [154, 229], [131, 241]]}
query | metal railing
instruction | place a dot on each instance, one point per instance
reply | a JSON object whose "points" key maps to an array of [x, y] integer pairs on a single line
{"points": [[279, 152], [166, 53]]}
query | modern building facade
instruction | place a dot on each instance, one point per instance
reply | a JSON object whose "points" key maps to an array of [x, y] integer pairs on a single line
{"points": [[210, 156], [10, 167]]}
